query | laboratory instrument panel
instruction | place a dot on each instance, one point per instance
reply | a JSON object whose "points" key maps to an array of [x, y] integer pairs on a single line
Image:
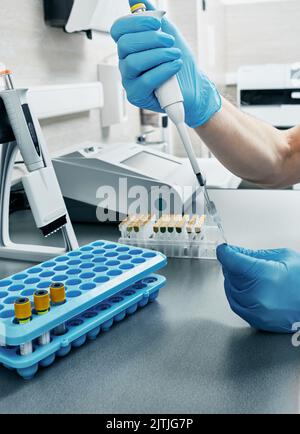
{"points": [[181, 236], [48, 309]]}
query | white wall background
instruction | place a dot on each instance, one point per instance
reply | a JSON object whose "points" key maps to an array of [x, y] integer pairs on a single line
{"points": [[40, 55], [262, 32]]}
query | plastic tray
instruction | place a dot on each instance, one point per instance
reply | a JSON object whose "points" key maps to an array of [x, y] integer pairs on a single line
{"points": [[91, 274], [86, 326]]}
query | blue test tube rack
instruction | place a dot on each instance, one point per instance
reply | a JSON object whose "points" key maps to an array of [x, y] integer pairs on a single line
{"points": [[104, 281]]}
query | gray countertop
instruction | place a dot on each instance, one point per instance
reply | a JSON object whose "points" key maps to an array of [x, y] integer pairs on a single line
{"points": [[185, 353]]}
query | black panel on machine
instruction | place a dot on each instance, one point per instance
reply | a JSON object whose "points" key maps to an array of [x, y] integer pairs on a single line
{"points": [[6, 132]]}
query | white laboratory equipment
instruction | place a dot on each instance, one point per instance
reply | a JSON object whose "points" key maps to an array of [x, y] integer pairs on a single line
{"points": [[270, 92], [109, 165], [20, 131]]}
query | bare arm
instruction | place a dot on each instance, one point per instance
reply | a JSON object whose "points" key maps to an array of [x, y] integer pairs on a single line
{"points": [[252, 149]]}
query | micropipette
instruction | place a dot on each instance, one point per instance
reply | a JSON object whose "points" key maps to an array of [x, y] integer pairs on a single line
{"points": [[171, 100]]}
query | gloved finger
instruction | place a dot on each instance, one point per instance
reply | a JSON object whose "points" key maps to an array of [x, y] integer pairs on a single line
{"points": [[153, 79], [148, 4], [130, 43], [248, 314], [166, 25], [238, 263], [244, 297], [237, 308], [260, 254], [136, 64], [253, 317], [134, 24]]}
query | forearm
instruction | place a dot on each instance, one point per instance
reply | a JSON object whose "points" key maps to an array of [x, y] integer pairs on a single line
{"points": [[252, 149]]}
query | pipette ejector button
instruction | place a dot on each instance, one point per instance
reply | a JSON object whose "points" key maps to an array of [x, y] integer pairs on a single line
{"points": [[139, 7]]}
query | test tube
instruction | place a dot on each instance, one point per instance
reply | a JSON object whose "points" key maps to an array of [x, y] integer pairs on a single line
{"points": [[131, 228], [198, 233], [58, 298], [199, 225], [42, 307], [164, 224], [138, 226], [156, 227], [190, 227], [181, 233], [181, 225], [191, 233], [173, 236], [23, 315], [155, 230], [123, 226], [146, 228], [134, 228], [171, 226]]}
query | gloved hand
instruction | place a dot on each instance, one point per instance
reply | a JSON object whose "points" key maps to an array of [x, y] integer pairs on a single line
{"points": [[263, 287], [152, 51]]}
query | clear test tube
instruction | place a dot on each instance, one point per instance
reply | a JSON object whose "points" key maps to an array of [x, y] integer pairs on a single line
{"points": [[156, 229], [181, 234], [23, 315], [164, 224], [198, 234], [176, 219], [129, 227], [133, 228], [190, 230], [42, 307], [123, 227], [156, 234], [149, 226], [139, 228], [146, 229], [190, 227], [136, 226]]}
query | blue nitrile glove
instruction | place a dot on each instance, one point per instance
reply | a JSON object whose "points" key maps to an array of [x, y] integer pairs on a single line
{"points": [[263, 287], [150, 53]]}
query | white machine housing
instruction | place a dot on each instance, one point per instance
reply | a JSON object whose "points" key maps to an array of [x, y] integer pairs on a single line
{"points": [[271, 92], [140, 166], [82, 172]]}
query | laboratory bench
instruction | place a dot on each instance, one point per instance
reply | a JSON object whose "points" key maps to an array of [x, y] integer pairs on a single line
{"points": [[185, 353]]}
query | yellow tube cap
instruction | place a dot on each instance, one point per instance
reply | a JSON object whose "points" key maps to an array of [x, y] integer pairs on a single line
{"points": [[41, 301], [137, 7], [23, 309], [58, 293]]}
